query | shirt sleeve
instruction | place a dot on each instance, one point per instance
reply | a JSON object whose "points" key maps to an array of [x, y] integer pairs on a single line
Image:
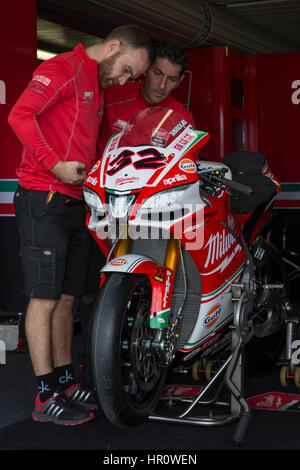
{"points": [[50, 84]]}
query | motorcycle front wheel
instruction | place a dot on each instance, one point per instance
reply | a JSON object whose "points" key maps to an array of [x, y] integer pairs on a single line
{"points": [[127, 376]]}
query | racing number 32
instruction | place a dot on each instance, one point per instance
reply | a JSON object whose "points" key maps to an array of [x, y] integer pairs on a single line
{"points": [[150, 158]]}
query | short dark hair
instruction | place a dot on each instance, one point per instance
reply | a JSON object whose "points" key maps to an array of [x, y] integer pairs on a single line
{"points": [[132, 37], [172, 51]]}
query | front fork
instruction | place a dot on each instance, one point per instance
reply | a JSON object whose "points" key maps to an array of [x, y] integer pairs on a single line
{"points": [[162, 282], [171, 261]]}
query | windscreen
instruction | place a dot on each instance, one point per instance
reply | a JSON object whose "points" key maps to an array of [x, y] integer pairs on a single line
{"points": [[156, 126]]}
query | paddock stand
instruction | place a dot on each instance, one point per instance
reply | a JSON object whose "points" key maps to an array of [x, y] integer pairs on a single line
{"points": [[231, 376]]}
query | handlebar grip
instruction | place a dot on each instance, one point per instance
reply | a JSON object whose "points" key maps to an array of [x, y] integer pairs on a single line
{"points": [[242, 188]]}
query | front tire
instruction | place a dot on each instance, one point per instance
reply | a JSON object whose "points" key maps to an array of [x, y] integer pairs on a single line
{"points": [[127, 376]]}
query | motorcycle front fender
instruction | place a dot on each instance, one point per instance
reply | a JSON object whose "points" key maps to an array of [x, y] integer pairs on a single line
{"points": [[160, 277]]}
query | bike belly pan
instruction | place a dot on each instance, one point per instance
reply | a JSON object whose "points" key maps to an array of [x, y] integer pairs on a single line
{"points": [[216, 310]]}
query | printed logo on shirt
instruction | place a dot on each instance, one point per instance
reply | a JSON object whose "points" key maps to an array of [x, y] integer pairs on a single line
{"points": [[37, 87], [88, 96], [42, 79]]}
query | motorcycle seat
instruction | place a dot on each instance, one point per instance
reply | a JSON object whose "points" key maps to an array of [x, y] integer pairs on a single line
{"points": [[245, 162], [246, 168]]}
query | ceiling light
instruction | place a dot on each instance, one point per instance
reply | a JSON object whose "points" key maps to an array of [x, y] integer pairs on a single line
{"points": [[44, 55]]}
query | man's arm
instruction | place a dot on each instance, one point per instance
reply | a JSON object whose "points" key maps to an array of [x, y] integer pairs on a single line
{"points": [[49, 85]]}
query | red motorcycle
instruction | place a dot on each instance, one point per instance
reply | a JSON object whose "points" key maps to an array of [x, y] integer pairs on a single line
{"points": [[186, 265]]}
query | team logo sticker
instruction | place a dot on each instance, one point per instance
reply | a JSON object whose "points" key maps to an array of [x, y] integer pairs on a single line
{"points": [[187, 165], [95, 167], [118, 262], [160, 275], [212, 316]]}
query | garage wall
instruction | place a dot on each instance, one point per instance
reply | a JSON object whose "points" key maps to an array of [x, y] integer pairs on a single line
{"points": [[18, 60], [249, 103], [278, 77], [223, 99], [244, 102]]}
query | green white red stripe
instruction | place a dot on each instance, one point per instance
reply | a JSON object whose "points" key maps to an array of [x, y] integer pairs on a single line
{"points": [[7, 191], [212, 295], [135, 264], [289, 196]]}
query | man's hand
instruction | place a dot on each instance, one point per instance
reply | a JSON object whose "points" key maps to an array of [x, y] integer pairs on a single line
{"points": [[70, 172]]}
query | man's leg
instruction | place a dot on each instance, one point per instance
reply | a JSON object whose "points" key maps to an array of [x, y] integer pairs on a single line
{"points": [[38, 333], [41, 321], [62, 331], [75, 283], [62, 334], [49, 331], [44, 230]]}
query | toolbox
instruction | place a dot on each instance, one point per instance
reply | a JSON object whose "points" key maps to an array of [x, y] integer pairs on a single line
{"points": [[12, 330]]}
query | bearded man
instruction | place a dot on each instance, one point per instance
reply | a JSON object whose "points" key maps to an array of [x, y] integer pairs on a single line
{"points": [[57, 120], [161, 79]]}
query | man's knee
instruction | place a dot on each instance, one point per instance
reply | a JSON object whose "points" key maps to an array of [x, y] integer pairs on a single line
{"points": [[41, 305], [66, 303]]}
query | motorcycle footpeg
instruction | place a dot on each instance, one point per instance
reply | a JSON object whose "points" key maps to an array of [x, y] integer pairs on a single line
{"points": [[275, 285]]}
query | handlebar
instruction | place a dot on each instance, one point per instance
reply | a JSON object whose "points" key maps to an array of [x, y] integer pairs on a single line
{"points": [[221, 182], [240, 187]]}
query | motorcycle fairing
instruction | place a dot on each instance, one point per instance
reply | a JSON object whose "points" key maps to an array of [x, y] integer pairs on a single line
{"points": [[120, 167], [220, 259], [160, 277], [216, 311], [104, 244]]}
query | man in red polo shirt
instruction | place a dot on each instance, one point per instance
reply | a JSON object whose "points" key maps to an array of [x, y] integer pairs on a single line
{"points": [[162, 77], [57, 120]]}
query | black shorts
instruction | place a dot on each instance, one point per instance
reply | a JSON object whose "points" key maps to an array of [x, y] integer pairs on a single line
{"points": [[55, 244]]}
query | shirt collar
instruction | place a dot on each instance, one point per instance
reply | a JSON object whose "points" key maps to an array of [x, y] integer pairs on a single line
{"points": [[79, 49]]}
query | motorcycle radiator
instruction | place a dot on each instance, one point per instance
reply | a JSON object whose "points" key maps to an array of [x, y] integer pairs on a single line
{"points": [[188, 274]]}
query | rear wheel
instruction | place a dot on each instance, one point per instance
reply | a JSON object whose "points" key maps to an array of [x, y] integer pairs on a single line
{"points": [[127, 375], [269, 310]]}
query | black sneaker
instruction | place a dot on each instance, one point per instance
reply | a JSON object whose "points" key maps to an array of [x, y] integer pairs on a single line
{"points": [[59, 409], [82, 395]]}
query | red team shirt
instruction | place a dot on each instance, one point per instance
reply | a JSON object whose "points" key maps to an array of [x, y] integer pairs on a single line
{"points": [[57, 117], [123, 102], [59, 114]]}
